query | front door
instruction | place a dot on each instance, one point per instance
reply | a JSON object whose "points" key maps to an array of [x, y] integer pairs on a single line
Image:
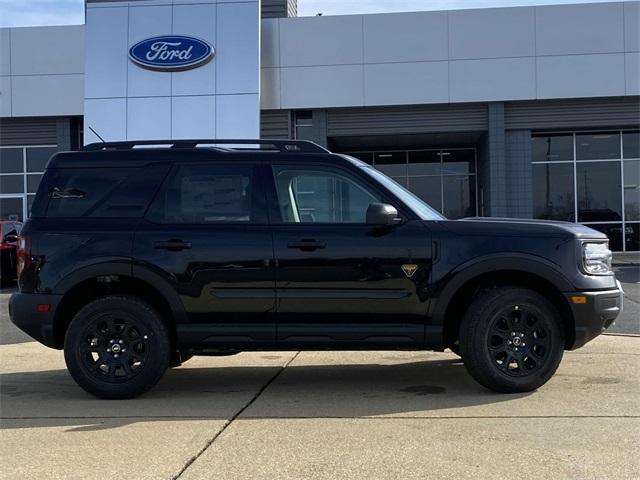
{"points": [[207, 233], [340, 282]]}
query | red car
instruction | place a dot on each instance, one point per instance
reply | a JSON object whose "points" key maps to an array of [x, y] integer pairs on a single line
{"points": [[9, 231]]}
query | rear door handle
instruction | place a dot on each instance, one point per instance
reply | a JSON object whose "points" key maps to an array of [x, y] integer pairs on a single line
{"points": [[307, 245], [173, 245]]}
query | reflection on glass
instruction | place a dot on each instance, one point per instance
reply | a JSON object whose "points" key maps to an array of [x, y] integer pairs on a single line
{"points": [[12, 184], [631, 189], [613, 231], [459, 196], [428, 189], [11, 209], [424, 162], [552, 148], [631, 144], [632, 234], [11, 161], [32, 182], [37, 158], [599, 193], [553, 191], [458, 161], [392, 164], [597, 146]]}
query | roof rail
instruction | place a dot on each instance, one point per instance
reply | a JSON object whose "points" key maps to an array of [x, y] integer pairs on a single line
{"points": [[284, 146]]}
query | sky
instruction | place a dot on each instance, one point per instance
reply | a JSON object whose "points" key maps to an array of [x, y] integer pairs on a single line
{"points": [[18, 13]]}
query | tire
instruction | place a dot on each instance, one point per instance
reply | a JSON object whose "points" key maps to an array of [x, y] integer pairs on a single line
{"points": [[511, 340], [178, 358], [133, 328]]}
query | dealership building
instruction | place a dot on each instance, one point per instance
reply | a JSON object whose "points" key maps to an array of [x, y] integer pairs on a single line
{"points": [[530, 112]]}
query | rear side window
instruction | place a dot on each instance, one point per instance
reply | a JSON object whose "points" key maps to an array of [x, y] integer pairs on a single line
{"points": [[99, 192], [208, 193]]}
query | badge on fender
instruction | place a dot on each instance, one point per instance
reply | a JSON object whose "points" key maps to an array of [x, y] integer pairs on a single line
{"points": [[409, 269]]}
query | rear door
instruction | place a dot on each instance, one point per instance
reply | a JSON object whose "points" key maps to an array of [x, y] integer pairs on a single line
{"points": [[207, 233], [340, 282]]}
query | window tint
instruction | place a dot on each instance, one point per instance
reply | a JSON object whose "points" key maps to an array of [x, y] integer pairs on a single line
{"points": [[99, 192], [321, 195], [201, 194]]}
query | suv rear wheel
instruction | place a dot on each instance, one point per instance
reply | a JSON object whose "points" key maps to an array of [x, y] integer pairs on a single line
{"points": [[511, 340], [117, 347]]}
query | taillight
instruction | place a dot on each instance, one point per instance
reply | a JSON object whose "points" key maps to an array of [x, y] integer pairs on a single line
{"points": [[23, 253]]}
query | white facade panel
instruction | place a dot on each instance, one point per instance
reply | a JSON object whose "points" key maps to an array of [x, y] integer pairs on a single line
{"points": [[37, 51], [146, 22], [492, 33], [105, 66], [193, 117], [422, 82], [5, 51], [321, 40], [235, 116], [270, 88], [579, 29], [47, 95], [107, 116], [405, 37], [269, 43], [149, 118], [492, 79], [238, 58], [327, 86], [632, 26], [632, 73], [581, 76], [198, 21], [5, 96]]}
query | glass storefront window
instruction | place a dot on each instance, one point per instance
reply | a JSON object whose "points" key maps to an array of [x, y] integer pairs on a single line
{"points": [[33, 180], [458, 161], [393, 164], [11, 209], [459, 196], [12, 183], [37, 158], [428, 189], [631, 189], [366, 157], [599, 192], [553, 197], [631, 144], [613, 231], [598, 146], [425, 162], [11, 160], [552, 147], [632, 235]]}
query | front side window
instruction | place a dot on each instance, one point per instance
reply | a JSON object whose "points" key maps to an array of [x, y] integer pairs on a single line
{"points": [[203, 194], [321, 195]]}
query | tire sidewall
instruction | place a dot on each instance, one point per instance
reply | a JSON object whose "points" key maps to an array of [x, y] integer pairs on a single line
{"points": [[158, 354], [474, 333]]}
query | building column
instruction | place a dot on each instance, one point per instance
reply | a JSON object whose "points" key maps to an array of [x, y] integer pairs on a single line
{"points": [[519, 174], [492, 169], [317, 131]]}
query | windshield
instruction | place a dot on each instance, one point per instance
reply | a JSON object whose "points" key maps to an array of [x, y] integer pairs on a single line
{"points": [[417, 205]]}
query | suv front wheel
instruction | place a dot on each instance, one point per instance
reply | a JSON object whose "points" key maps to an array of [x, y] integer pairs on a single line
{"points": [[511, 340], [117, 347]]}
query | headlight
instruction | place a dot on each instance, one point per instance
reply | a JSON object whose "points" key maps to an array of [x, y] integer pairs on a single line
{"points": [[596, 258]]}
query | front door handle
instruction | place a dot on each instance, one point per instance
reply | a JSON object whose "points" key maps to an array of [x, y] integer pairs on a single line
{"points": [[307, 245], [173, 245]]}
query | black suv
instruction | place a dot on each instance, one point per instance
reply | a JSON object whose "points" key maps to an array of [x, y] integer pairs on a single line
{"points": [[137, 257]]}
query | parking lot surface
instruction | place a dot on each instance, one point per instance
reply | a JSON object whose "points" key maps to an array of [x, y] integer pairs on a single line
{"points": [[322, 415]]}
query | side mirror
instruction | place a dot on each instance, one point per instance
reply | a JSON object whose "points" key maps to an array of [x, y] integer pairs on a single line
{"points": [[382, 214], [10, 238]]}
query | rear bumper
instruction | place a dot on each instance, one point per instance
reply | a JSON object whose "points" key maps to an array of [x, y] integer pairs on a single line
{"points": [[596, 314], [38, 325]]}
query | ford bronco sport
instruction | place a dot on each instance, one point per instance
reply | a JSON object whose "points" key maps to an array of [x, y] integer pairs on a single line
{"points": [[137, 257]]}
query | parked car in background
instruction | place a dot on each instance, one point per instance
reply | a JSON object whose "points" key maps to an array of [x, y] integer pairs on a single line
{"points": [[9, 232]]}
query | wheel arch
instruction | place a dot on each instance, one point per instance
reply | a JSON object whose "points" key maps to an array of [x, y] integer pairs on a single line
{"points": [[469, 280]]}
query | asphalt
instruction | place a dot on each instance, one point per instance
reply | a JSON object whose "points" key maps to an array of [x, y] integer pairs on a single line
{"points": [[317, 415]]}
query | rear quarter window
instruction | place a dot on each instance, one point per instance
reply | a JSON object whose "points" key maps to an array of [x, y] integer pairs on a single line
{"points": [[97, 192]]}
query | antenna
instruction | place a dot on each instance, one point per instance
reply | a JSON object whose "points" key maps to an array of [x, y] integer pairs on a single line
{"points": [[96, 134]]}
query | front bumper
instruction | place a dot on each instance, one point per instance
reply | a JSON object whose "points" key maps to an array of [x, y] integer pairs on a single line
{"points": [[38, 325], [596, 314]]}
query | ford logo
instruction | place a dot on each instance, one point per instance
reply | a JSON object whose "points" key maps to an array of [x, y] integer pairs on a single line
{"points": [[171, 53]]}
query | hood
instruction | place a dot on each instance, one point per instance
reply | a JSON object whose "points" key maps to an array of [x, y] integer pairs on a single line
{"points": [[522, 227]]}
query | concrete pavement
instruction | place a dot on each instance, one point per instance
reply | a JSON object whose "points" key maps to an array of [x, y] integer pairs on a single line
{"points": [[324, 415]]}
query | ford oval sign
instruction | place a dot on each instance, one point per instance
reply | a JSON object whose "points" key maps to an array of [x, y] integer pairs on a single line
{"points": [[170, 53]]}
